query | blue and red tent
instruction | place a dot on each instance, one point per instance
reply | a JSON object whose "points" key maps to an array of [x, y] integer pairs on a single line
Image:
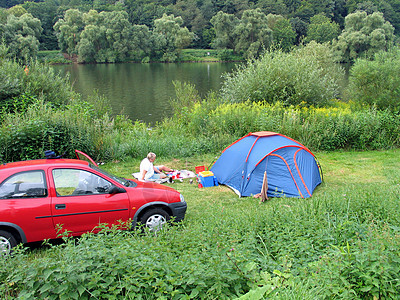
{"points": [[291, 169]]}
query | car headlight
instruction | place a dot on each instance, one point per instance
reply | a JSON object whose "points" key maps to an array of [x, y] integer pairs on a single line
{"points": [[182, 198]]}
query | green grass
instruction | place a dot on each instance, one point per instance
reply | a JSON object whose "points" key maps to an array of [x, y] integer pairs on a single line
{"points": [[199, 55], [342, 243], [52, 57]]}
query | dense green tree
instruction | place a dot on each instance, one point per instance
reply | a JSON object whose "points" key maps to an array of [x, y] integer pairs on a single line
{"points": [[252, 34], [17, 10], [110, 37], [224, 24], [108, 5], [10, 3], [276, 7], [363, 36], [68, 31], [325, 7], [3, 15], [305, 11], [190, 14], [300, 28], [92, 38], [142, 43], [118, 34], [171, 36], [292, 5], [282, 32], [208, 10], [339, 12], [46, 12], [193, 18], [322, 29], [105, 38], [235, 7], [367, 6], [391, 12], [21, 35], [207, 37], [144, 12], [389, 8]]}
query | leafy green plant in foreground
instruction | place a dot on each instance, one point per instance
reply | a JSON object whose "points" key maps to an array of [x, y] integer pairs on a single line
{"points": [[341, 243]]}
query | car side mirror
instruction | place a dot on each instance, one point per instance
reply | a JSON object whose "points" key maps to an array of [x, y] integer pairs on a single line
{"points": [[116, 190]]}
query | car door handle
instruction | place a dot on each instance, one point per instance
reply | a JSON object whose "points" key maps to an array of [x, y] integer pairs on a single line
{"points": [[60, 206]]}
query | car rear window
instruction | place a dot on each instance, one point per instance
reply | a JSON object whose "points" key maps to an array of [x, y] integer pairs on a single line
{"points": [[29, 184]]}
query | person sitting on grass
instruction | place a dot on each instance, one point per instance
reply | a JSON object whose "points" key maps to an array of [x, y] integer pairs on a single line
{"points": [[150, 172]]}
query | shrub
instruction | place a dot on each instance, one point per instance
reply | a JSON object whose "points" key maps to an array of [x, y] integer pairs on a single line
{"points": [[40, 82], [308, 75], [376, 82], [27, 135]]}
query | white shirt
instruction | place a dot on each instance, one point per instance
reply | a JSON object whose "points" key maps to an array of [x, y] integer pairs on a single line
{"points": [[146, 165]]}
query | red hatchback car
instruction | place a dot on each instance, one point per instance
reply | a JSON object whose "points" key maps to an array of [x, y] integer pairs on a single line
{"points": [[37, 196]]}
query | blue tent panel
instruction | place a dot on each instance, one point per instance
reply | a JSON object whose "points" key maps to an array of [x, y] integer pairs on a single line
{"points": [[292, 170]]}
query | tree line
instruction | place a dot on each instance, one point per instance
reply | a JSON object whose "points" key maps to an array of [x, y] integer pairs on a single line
{"points": [[139, 30]]}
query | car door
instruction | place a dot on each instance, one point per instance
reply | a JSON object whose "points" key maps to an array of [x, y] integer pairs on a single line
{"points": [[83, 156], [25, 203], [83, 201]]}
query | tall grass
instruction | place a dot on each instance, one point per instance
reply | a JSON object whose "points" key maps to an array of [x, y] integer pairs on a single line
{"points": [[197, 129]]}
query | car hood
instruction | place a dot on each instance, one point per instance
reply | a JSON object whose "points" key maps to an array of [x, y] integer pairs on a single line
{"points": [[153, 185]]}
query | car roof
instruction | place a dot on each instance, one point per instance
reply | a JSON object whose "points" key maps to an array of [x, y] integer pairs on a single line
{"points": [[44, 163]]}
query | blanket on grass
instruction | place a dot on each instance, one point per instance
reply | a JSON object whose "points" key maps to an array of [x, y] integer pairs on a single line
{"points": [[179, 175]]}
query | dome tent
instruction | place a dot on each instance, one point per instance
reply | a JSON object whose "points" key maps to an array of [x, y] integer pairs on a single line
{"points": [[291, 169]]}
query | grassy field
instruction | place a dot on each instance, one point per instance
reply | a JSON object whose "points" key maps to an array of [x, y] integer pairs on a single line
{"points": [[344, 243]]}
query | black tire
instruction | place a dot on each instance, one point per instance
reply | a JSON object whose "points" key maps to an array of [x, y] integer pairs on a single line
{"points": [[154, 219], [7, 242]]}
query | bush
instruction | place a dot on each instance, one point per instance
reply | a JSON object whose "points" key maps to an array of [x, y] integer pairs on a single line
{"points": [[40, 82], [308, 75], [376, 82], [27, 135]]}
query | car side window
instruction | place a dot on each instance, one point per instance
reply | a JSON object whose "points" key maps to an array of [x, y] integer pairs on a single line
{"points": [[72, 182], [30, 184]]}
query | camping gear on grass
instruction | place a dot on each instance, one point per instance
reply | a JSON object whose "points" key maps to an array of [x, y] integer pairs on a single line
{"points": [[199, 169], [207, 179], [177, 174], [291, 169]]}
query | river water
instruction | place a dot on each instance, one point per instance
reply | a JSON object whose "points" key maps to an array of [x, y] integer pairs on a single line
{"points": [[143, 91]]}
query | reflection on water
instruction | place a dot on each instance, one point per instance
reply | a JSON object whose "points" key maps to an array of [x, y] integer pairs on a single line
{"points": [[143, 91]]}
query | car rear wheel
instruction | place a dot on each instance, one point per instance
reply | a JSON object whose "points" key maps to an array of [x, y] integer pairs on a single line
{"points": [[7, 241], [154, 219]]}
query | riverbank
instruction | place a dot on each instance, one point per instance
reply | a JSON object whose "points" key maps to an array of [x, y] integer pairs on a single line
{"points": [[187, 56]]}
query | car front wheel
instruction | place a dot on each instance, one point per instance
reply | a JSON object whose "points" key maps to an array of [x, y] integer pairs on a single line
{"points": [[154, 219], [7, 241]]}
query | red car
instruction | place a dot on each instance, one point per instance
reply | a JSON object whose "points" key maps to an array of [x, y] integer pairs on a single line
{"points": [[37, 196]]}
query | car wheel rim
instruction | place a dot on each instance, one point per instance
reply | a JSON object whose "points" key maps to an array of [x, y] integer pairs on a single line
{"points": [[155, 222], [5, 246]]}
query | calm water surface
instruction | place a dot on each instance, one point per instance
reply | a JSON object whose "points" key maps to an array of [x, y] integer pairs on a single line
{"points": [[143, 91]]}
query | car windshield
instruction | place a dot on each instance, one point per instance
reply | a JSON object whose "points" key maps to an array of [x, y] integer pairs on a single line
{"points": [[124, 181]]}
